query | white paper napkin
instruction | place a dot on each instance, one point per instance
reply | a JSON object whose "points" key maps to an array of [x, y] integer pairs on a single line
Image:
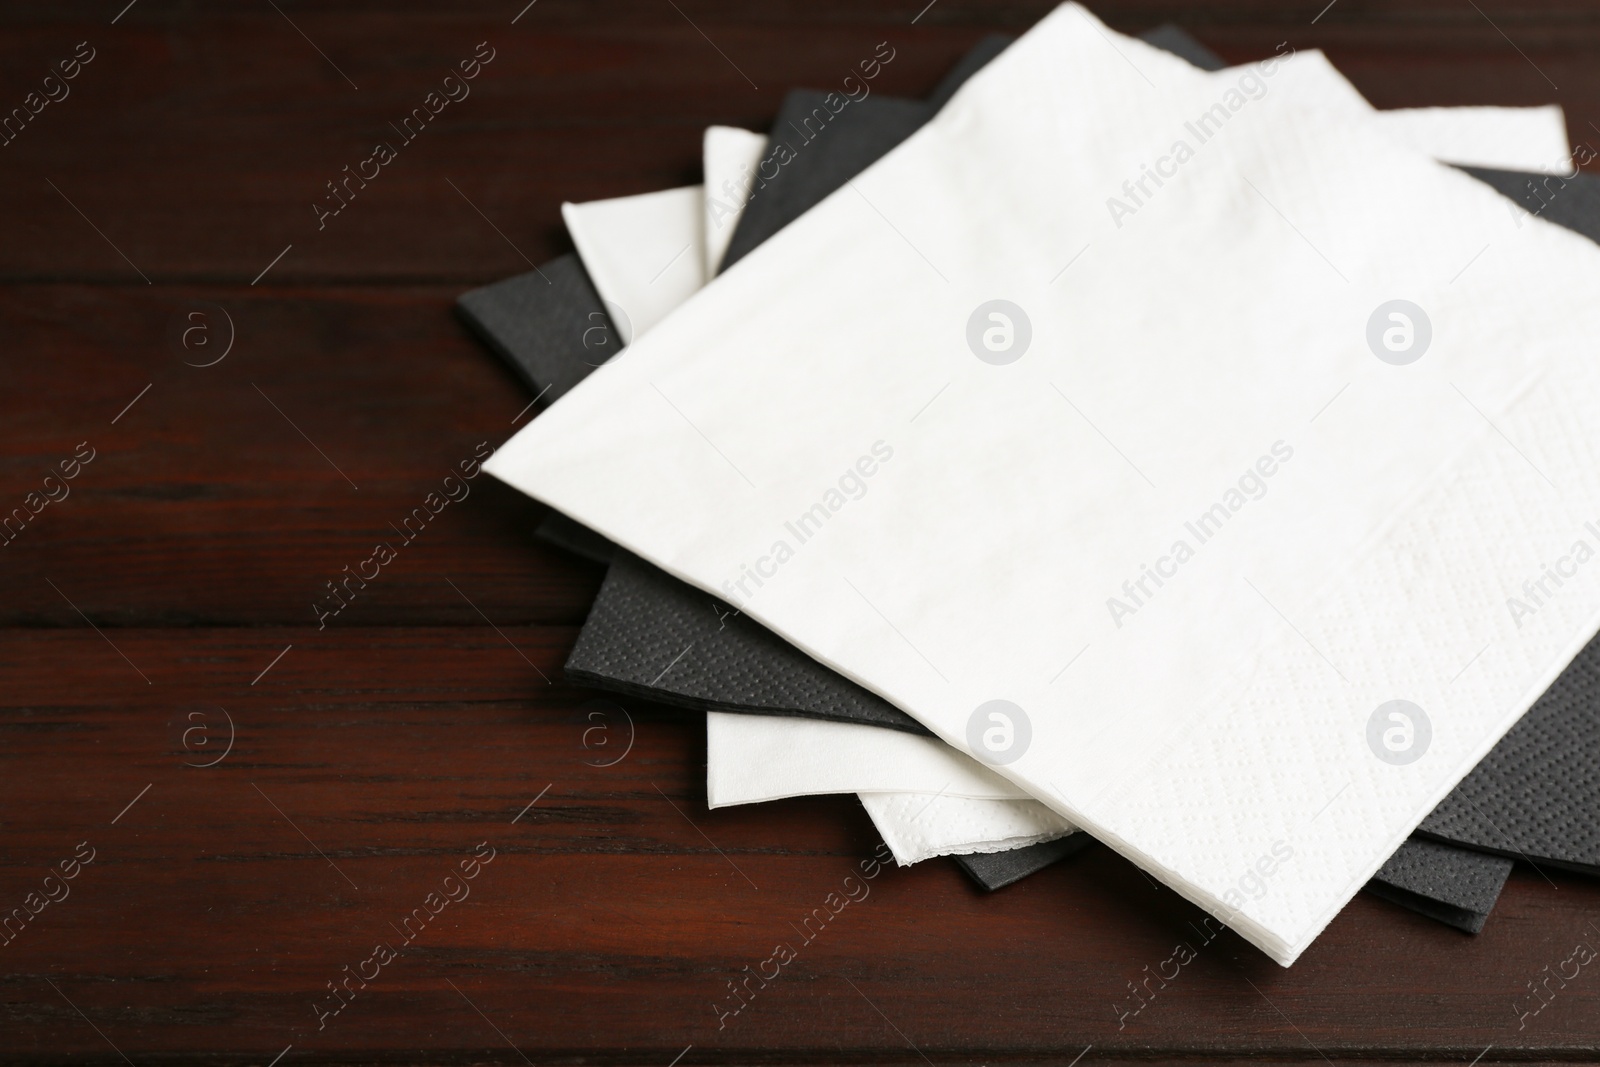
{"points": [[1233, 710], [1507, 138], [757, 758], [645, 254], [746, 762], [740, 767], [918, 826], [730, 157], [751, 759]]}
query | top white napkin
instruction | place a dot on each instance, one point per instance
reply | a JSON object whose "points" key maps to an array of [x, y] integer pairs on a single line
{"points": [[1094, 397]]}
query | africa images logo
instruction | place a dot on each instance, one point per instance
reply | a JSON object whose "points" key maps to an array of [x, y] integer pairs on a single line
{"points": [[1399, 732], [999, 332], [998, 732], [1399, 332]]}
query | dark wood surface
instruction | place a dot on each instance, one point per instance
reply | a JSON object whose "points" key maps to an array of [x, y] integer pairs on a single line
{"points": [[152, 607]]}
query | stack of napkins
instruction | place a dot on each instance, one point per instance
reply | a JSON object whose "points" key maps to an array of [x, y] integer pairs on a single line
{"points": [[1195, 461]]}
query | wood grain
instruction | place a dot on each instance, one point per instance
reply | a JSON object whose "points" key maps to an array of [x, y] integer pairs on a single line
{"points": [[166, 604], [197, 142], [369, 761], [220, 497]]}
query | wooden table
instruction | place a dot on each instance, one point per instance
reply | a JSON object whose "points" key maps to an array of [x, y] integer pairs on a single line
{"points": [[266, 801]]}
